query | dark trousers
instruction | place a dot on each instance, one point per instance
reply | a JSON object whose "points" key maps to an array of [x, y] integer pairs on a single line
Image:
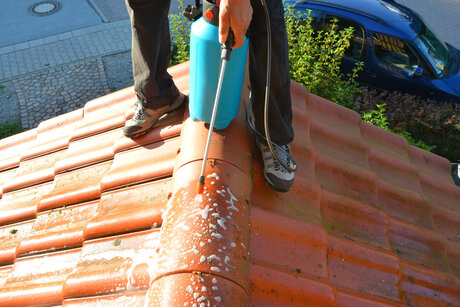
{"points": [[151, 52]]}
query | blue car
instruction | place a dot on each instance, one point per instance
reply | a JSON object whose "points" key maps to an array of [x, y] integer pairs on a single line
{"points": [[398, 49]]}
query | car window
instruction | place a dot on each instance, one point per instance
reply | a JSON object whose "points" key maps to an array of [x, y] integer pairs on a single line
{"points": [[316, 17], [395, 52], [356, 48]]}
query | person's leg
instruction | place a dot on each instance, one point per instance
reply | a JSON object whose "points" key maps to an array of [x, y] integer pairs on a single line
{"points": [[280, 109], [151, 53]]}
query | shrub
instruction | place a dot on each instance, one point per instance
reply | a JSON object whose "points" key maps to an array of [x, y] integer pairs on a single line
{"points": [[435, 123], [315, 57], [8, 129], [180, 28]]}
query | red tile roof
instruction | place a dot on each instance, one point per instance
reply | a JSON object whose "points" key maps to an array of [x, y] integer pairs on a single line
{"points": [[90, 217]]}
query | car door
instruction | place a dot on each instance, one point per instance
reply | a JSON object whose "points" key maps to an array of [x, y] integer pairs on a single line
{"points": [[394, 65]]}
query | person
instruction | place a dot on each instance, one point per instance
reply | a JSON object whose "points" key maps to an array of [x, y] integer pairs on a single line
{"points": [[157, 94]]}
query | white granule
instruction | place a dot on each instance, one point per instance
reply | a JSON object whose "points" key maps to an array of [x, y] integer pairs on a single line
{"points": [[217, 235], [215, 269], [212, 257], [214, 175], [201, 298], [221, 224]]}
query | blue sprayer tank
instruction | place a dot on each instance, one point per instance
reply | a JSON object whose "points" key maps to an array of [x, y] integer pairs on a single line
{"points": [[205, 64]]}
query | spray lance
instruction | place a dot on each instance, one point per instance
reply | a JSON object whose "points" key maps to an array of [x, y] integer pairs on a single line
{"points": [[211, 79], [224, 87]]}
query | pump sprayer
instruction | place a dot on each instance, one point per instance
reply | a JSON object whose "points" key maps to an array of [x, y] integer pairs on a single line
{"points": [[206, 83]]}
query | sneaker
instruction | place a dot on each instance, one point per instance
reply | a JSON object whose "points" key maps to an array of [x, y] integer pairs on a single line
{"points": [[144, 119], [276, 176]]}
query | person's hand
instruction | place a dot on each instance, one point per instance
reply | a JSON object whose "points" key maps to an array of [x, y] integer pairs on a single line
{"points": [[236, 14]]}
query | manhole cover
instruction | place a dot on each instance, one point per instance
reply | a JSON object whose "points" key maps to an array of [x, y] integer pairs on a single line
{"points": [[44, 8]]}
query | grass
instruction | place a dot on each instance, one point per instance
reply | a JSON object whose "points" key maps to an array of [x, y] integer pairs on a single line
{"points": [[8, 129]]}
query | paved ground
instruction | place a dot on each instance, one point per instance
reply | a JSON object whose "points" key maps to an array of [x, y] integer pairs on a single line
{"points": [[443, 16], [19, 23], [51, 73]]}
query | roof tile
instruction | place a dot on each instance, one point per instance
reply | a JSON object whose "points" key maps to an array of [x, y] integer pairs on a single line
{"points": [[131, 299], [114, 264], [365, 269], [446, 222], [394, 169], [5, 271], [12, 148], [302, 202], [10, 237], [348, 180], [353, 299], [104, 113], [38, 280], [88, 151], [345, 217], [7, 175], [196, 289], [268, 287], [34, 171], [208, 234], [425, 287], [136, 165], [53, 134], [280, 242], [75, 187], [405, 205], [453, 256], [418, 245], [58, 229], [22, 204], [130, 209]]}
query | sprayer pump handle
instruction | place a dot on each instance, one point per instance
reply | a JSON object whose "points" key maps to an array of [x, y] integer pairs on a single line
{"points": [[227, 47]]}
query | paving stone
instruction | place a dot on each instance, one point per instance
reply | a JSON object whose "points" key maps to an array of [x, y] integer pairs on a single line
{"points": [[59, 90]]}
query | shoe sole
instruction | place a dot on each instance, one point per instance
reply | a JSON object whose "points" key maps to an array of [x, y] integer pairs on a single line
{"points": [[272, 186], [176, 105]]}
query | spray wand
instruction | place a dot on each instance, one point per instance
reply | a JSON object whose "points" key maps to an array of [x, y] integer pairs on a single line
{"points": [[227, 48]]}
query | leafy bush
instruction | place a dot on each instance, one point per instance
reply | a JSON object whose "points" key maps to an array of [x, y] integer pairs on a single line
{"points": [[379, 118], [180, 28], [315, 57], [8, 129], [435, 123]]}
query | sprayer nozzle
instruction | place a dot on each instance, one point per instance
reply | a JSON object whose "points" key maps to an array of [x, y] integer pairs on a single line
{"points": [[200, 185]]}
